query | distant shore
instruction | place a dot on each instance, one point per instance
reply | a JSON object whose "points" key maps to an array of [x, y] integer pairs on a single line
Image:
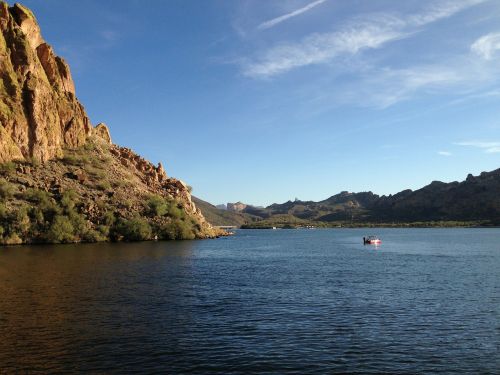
{"points": [[430, 224]]}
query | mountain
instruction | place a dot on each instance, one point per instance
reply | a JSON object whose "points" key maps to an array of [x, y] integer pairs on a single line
{"points": [[475, 200], [223, 217], [61, 178]]}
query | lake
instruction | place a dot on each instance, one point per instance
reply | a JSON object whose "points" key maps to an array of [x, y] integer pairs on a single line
{"points": [[262, 301]]}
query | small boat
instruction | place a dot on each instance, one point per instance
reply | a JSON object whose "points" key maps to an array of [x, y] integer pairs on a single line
{"points": [[371, 240]]}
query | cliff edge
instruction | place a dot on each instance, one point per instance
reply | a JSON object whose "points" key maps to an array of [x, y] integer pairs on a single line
{"points": [[61, 179]]}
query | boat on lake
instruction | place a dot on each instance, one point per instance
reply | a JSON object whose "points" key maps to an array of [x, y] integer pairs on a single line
{"points": [[372, 240]]}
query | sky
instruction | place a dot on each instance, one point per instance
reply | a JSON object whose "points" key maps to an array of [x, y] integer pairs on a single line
{"points": [[267, 101]]}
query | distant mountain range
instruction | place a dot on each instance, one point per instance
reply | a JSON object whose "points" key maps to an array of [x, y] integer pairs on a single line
{"points": [[475, 201]]}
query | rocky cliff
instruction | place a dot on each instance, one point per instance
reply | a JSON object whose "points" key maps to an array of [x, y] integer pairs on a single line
{"points": [[61, 179], [39, 112]]}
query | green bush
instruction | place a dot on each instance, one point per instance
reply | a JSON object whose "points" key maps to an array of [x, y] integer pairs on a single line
{"points": [[94, 236], [97, 173], [8, 168], [7, 190], [104, 230], [176, 230], [21, 221], [175, 211], [69, 199], [72, 160], [104, 185], [135, 229], [80, 225], [89, 146], [61, 230], [108, 218], [43, 201], [157, 206]]}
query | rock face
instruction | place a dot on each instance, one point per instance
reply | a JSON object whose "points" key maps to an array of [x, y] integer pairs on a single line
{"points": [[47, 134], [236, 207], [39, 112], [102, 131]]}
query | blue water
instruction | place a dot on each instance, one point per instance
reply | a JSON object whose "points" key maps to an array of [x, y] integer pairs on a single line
{"points": [[263, 301]]}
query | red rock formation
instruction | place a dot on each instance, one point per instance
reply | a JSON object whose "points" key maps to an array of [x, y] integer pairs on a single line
{"points": [[39, 113]]}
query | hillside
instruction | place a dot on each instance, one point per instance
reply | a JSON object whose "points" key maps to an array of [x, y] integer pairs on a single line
{"points": [[216, 216], [475, 201], [62, 179]]}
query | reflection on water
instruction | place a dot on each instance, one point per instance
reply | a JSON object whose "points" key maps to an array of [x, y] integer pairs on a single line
{"points": [[52, 295], [261, 301]]}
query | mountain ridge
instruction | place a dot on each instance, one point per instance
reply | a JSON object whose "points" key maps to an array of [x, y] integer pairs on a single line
{"points": [[476, 199]]}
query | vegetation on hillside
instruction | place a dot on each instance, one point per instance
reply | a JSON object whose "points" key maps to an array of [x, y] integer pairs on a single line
{"points": [[87, 196]]}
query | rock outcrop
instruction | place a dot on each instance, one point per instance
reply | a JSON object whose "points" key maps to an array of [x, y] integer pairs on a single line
{"points": [[54, 150], [102, 131], [39, 112], [236, 207]]}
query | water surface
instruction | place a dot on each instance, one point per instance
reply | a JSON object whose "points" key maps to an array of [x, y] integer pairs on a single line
{"points": [[263, 301]]}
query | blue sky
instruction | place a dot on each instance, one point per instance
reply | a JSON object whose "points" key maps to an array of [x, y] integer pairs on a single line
{"points": [[265, 101]]}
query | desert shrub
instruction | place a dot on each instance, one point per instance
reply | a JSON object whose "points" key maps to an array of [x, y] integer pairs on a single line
{"points": [[33, 162], [104, 185], [72, 160], [126, 203], [108, 218], [120, 183], [176, 230], [135, 229], [97, 173], [61, 230], [8, 168], [21, 221], [79, 223], [69, 199], [13, 239], [175, 211], [7, 190], [89, 146], [94, 236], [37, 216], [37, 196], [104, 230], [43, 201], [157, 206]]}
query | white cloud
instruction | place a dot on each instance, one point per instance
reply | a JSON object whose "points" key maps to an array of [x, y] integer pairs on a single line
{"points": [[320, 48], [273, 22], [441, 10], [487, 146], [445, 153], [487, 46], [386, 87], [371, 33]]}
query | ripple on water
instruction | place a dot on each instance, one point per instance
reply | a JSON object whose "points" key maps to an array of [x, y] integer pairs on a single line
{"points": [[259, 302]]}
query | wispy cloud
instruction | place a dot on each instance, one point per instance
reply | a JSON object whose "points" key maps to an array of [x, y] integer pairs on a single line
{"points": [[273, 22], [319, 48], [385, 87], [445, 153], [487, 46], [488, 147], [373, 32]]}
